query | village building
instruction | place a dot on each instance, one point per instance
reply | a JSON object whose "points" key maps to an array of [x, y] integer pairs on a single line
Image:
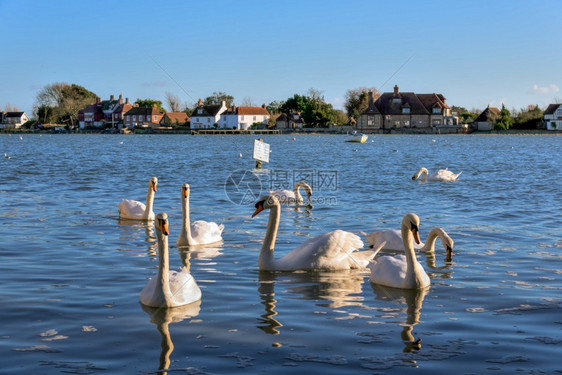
{"points": [[143, 117], [553, 117], [104, 113], [289, 121], [175, 119], [485, 120], [242, 118], [206, 116], [13, 120], [406, 110]]}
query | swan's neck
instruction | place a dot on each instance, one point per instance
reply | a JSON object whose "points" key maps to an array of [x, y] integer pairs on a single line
{"points": [[298, 196], [185, 236], [408, 242], [149, 202], [266, 254], [431, 238], [163, 267], [167, 346]]}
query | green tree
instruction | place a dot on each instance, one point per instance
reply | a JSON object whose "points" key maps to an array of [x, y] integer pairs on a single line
{"points": [[504, 121], [150, 103], [465, 116], [297, 103], [274, 107], [217, 98], [357, 100], [529, 118]]}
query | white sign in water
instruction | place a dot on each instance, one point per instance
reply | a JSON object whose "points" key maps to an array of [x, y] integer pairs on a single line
{"points": [[261, 151]]}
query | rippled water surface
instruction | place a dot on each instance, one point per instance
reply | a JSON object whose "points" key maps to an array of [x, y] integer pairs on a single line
{"points": [[71, 272]]}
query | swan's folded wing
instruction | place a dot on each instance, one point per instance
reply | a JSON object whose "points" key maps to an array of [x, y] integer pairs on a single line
{"points": [[392, 237], [283, 195], [204, 232], [131, 209], [328, 251], [183, 287]]}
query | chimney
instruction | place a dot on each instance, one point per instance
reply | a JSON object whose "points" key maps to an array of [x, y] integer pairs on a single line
{"points": [[200, 103], [120, 98], [126, 100], [112, 98], [98, 100], [396, 90], [370, 100], [263, 106], [233, 108]]}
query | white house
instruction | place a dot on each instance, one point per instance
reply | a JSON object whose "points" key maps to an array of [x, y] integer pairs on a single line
{"points": [[13, 120], [241, 118], [553, 117], [206, 116]]}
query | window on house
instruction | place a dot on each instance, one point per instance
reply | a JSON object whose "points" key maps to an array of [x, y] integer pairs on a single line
{"points": [[134, 118], [436, 122], [208, 119], [155, 118], [200, 111], [405, 110], [254, 118], [242, 118], [436, 110]]}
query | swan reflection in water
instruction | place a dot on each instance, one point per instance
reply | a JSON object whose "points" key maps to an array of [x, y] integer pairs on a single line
{"points": [[334, 288], [413, 299], [162, 317], [130, 230]]}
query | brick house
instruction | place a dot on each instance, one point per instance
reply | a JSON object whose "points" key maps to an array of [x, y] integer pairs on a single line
{"points": [[104, 113], [143, 117]]}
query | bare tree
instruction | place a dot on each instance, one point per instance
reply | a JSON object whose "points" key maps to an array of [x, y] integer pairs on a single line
{"points": [[173, 102], [247, 102]]}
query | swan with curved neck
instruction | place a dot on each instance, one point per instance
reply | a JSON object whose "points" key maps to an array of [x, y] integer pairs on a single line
{"points": [[135, 210], [393, 239], [334, 250], [168, 288], [402, 271], [440, 175], [198, 232], [294, 196]]}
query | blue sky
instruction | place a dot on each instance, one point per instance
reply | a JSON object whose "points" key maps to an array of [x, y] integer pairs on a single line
{"points": [[476, 53]]}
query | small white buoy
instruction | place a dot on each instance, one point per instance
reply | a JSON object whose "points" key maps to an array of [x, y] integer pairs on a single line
{"points": [[240, 155], [433, 140], [21, 137], [121, 142]]}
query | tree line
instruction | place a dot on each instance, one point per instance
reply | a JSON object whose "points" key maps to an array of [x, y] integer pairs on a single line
{"points": [[59, 103]]}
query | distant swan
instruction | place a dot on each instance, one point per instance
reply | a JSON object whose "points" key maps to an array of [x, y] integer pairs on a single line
{"points": [[330, 251], [402, 271], [129, 209], [294, 196], [199, 232], [393, 239], [440, 175], [168, 288]]}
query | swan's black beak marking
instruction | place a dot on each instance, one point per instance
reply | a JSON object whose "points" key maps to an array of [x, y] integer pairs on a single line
{"points": [[259, 208]]}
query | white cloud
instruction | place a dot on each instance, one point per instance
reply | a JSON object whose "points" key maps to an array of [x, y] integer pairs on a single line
{"points": [[545, 89]]}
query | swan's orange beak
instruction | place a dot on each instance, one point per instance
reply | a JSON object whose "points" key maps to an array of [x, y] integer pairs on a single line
{"points": [[154, 186], [449, 253], [259, 208], [185, 193], [164, 227], [416, 234]]}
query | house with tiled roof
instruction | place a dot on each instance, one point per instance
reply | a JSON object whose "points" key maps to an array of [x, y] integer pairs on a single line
{"points": [[406, 110], [553, 117], [143, 117], [206, 116], [175, 119], [104, 113], [485, 120], [241, 118], [289, 121], [13, 120]]}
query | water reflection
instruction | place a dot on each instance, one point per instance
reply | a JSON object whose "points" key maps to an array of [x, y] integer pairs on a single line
{"points": [[337, 288], [413, 299], [162, 317]]}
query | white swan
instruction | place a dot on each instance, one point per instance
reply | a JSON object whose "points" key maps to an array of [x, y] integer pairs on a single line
{"points": [[168, 288], [393, 239], [330, 251], [199, 232], [440, 175], [129, 209], [294, 196], [402, 271]]}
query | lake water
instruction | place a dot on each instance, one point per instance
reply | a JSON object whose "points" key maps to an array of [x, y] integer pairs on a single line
{"points": [[71, 272]]}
